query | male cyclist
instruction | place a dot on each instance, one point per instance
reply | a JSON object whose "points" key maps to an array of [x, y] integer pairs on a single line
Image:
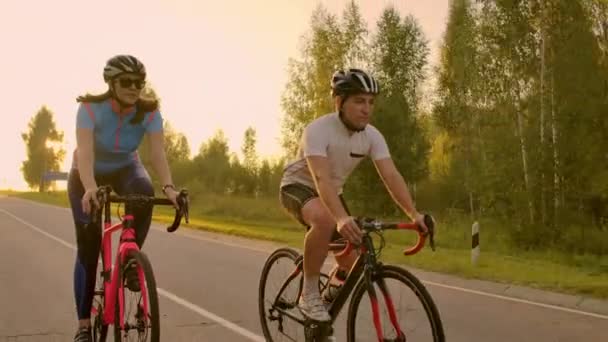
{"points": [[311, 187]]}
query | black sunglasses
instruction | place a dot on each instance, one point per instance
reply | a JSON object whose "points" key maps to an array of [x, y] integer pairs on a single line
{"points": [[127, 83]]}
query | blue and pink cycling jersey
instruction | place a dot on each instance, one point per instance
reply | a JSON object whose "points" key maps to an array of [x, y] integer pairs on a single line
{"points": [[116, 139]]}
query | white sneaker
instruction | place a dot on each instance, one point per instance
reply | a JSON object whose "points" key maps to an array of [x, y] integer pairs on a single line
{"points": [[312, 307]]}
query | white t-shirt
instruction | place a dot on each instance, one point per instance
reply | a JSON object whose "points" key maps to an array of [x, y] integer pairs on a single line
{"points": [[327, 136]]}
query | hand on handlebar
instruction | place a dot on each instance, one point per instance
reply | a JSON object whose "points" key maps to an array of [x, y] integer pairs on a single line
{"points": [[427, 223], [89, 200], [181, 210], [419, 220], [348, 228], [172, 195], [184, 204]]}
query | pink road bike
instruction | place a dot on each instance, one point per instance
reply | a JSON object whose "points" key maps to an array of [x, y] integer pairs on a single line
{"points": [[129, 304]]}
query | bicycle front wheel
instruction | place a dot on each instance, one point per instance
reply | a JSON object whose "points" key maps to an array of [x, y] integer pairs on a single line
{"points": [[139, 311], [100, 330], [405, 309]]}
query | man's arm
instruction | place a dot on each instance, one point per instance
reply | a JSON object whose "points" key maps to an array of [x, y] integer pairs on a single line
{"points": [[391, 177], [396, 186]]}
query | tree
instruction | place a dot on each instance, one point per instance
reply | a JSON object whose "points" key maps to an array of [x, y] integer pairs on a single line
{"points": [[250, 157], [455, 110], [354, 34], [577, 77], [176, 145], [400, 51], [265, 178], [239, 181], [212, 164], [40, 156], [519, 82], [250, 162]]}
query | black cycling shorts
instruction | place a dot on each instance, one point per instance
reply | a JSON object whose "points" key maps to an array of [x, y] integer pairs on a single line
{"points": [[294, 196]]}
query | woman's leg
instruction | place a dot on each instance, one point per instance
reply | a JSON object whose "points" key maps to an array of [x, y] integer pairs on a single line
{"points": [[88, 240], [135, 180]]}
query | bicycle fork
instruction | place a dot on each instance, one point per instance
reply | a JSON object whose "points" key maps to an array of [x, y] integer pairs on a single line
{"points": [[127, 245], [376, 310]]}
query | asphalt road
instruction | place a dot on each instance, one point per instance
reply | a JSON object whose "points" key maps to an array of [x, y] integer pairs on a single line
{"points": [[208, 288]]}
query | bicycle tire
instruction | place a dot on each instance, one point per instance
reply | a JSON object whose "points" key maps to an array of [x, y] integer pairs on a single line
{"points": [[407, 278], [287, 253], [153, 308], [100, 330]]}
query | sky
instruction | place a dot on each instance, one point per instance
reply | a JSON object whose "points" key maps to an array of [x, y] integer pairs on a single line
{"points": [[214, 64]]}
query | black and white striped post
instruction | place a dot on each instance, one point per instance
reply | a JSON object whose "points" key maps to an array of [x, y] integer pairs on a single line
{"points": [[475, 243]]}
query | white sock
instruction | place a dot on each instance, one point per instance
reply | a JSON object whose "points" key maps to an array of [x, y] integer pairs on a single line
{"points": [[311, 286]]}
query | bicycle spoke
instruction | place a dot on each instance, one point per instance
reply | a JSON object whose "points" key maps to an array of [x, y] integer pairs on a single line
{"points": [[140, 326]]}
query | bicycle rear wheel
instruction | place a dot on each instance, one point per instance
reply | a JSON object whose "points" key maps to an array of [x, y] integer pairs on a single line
{"points": [[416, 315], [276, 325], [140, 312]]}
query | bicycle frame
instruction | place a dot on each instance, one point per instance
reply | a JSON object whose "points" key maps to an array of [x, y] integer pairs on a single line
{"points": [[112, 286], [110, 273], [363, 269]]}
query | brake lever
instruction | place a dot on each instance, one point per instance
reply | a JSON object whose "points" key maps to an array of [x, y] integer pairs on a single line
{"points": [[183, 202], [430, 224], [181, 211], [186, 207], [102, 196], [432, 242]]}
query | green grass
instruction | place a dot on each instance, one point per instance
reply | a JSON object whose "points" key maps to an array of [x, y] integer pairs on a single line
{"points": [[556, 270], [59, 198]]}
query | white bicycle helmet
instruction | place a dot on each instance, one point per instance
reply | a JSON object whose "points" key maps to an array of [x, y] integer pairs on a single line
{"points": [[122, 64], [353, 81]]}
